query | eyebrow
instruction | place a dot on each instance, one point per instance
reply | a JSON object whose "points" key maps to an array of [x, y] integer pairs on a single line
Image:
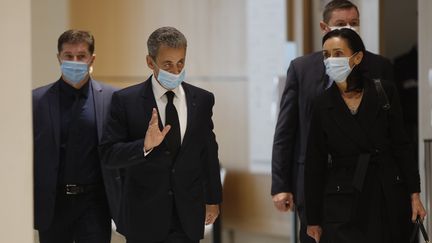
{"points": [[337, 49], [69, 52]]}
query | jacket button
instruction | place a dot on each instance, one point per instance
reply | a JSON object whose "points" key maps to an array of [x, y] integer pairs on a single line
{"points": [[167, 152], [173, 170], [338, 188], [170, 193]]}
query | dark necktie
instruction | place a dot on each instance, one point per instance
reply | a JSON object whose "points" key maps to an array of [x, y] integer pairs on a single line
{"points": [[173, 138]]}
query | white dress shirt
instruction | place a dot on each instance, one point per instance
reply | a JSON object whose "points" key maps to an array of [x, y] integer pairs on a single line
{"points": [[179, 103], [161, 102]]}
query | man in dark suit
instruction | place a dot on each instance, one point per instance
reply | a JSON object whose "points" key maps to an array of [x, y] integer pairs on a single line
{"points": [[306, 79], [70, 202], [160, 132]]}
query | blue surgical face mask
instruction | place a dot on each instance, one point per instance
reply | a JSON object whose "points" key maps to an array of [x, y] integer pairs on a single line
{"points": [[74, 72], [338, 68], [170, 81]]}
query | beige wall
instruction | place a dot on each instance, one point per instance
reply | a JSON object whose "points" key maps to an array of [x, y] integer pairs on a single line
{"points": [[214, 29], [16, 204], [49, 18]]}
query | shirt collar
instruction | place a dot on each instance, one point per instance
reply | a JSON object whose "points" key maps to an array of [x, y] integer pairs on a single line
{"points": [[71, 91], [159, 91]]}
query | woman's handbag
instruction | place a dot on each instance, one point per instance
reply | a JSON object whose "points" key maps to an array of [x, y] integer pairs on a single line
{"points": [[419, 225]]}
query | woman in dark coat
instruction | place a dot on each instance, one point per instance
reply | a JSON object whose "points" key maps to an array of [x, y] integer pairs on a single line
{"points": [[361, 184]]}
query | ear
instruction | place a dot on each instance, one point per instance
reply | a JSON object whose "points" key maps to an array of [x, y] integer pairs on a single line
{"points": [[358, 58], [324, 27], [150, 62], [58, 58], [92, 59]]}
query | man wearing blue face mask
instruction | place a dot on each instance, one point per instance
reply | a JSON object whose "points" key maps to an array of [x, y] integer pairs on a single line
{"points": [[306, 79], [70, 187], [160, 132]]}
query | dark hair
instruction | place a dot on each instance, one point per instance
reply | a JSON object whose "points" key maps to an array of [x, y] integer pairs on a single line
{"points": [[355, 44], [74, 37], [337, 4], [168, 36]]}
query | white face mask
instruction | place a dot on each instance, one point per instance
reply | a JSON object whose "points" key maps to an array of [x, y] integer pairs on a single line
{"points": [[338, 68], [355, 28]]}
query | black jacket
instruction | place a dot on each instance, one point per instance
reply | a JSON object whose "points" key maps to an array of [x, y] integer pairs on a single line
{"points": [[46, 131], [340, 145], [306, 79], [152, 182]]}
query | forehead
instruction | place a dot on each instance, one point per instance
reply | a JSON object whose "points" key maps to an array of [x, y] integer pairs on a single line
{"points": [[75, 47], [344, 15], [166, 53], [336, 43]]}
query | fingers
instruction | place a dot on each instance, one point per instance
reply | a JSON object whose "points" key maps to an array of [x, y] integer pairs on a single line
{"points": [[284, 201], [154, 118], [315, 232], [166, 130], [414, 215], [282, 206], [417, 208], [418, 211], [210, 219]]}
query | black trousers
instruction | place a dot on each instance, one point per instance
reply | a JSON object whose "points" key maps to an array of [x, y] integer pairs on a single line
{"points": [[82, 218], [176, 233], [300, 205]]}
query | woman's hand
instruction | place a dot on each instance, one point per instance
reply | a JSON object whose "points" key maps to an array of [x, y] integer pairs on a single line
{"points": [[314, 231], [417, 207]]}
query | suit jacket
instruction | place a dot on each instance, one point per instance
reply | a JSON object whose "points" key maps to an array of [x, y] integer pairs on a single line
{"points": [[153, 184], [306, 79], [376, 132], [46, 130]]}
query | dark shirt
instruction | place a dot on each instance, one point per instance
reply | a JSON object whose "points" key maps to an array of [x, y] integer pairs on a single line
{"points": [[79, 160]]}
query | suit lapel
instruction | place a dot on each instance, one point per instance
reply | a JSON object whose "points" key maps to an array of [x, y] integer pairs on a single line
{"points": [[149, 100], [98, 106], [54, 111], [345, 121], [191, 112]]}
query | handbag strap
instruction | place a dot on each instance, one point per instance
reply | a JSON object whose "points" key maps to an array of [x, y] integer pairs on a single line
{"points": [[382, 96]]}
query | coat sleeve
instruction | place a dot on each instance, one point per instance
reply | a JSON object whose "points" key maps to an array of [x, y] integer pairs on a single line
{"points": [[401, 146], [315, 169], [116, 150], [213, 187], [388, 70], [285, 135]]}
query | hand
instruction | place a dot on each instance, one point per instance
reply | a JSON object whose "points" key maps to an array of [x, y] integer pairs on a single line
{"points": [[154, 136], [417, 207], [314, 231], [284, 201], [212, 212]]}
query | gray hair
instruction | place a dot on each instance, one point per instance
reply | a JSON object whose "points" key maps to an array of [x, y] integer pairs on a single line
{"points": [[168, 36]]}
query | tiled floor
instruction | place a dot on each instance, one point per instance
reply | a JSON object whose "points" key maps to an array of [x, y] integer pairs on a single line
{"points": [[116, 238]]}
